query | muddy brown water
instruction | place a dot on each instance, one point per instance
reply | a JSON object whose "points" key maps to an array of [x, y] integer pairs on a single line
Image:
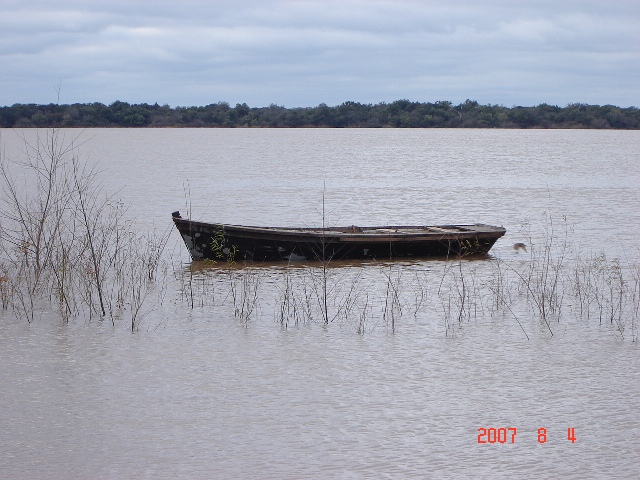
{"points": [[390, 387]]}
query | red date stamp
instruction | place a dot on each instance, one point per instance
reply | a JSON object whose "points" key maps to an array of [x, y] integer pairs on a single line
{"points": [[499, 435], [508, 435]]}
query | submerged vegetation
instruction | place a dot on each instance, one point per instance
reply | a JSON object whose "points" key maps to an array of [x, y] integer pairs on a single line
{"points": [[547, 286], [398, 114], [67, 252], [64, 242]]}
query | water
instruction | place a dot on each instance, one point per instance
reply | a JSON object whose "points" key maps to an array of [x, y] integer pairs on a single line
{"points": [[374, 177], [200, 393]]}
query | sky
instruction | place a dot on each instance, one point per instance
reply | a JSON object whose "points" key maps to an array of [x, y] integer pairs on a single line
{"points": [[304, 53]]}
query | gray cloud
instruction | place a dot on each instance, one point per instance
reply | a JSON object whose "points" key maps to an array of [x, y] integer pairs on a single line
{"points": [[302, 53]]}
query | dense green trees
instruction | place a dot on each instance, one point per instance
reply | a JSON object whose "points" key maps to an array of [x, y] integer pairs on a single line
{"points": [[399, 114]]}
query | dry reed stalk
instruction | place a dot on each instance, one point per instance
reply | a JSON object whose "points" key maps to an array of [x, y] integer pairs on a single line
{"points": [[64, 238]]}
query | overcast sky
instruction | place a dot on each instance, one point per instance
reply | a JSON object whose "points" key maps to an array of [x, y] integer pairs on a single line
{"points": [[303, 53]]}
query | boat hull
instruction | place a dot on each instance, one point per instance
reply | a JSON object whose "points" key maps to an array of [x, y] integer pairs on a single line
{"points": [[212, 241]]}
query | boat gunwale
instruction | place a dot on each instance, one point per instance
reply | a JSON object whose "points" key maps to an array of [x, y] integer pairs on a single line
{"points": [[403, 233]]}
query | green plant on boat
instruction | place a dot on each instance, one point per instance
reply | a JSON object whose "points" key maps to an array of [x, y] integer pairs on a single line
{"points": [[219, 248]]}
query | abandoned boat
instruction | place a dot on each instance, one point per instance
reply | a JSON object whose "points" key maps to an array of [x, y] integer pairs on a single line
{"points": [[216, 241]]}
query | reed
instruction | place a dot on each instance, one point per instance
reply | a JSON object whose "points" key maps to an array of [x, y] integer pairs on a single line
{"points": [[63, 240], [300, 300], [608, 290], [635, 300], [455, 291], [392, 311], [244, 288], [420, 290], [365, 296], [288, 304]]}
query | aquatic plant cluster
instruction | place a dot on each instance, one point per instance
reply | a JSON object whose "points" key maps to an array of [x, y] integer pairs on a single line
{"points": [[67, 252], [550, 283], [64, 242]]}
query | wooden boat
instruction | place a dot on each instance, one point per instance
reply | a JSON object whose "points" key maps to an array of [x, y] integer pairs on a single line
{"points": [[216, 241]]}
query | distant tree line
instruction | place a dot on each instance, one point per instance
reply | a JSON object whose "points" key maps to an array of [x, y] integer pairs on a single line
{"points": [[399, 114]]}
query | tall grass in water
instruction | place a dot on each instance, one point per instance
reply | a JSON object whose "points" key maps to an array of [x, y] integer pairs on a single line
{"points": [[609, 291], [318, 292], [543, 275], [244, 289], [64, 241], [544, 285]]}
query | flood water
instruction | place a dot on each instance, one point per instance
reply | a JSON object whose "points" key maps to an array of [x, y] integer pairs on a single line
{"points": [[401, 378]]}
